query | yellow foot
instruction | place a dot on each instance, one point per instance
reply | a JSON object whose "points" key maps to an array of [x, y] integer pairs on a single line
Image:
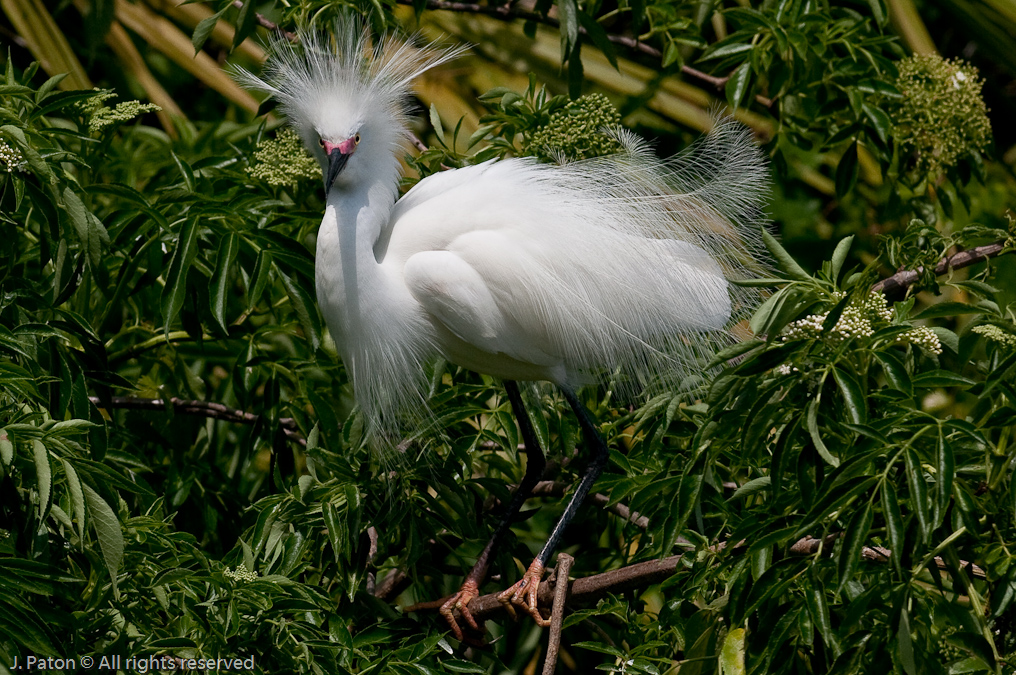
{"points": [[523, 594], [460, 601]]}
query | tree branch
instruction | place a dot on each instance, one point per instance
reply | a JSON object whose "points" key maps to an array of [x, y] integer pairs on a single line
{"points": [[896, 286], [508, 13], [200, 408]]}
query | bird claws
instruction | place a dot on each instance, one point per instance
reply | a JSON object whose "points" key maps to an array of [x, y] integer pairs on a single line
{"points": [[460, 601], [523, 593]]}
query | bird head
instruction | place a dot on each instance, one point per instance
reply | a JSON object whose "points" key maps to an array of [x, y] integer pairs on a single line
{"points": [[347, 97]]}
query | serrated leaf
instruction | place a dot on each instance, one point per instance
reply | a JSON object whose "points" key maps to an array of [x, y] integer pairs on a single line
{"points": [[854, 540], [784, 260], [839, 256], [811, 420], [948, 309], [305, 311], [918, 492], [176, 280], [77, 496], [204, 29], [107, 527], [737, 85], [43, 476], [857, 406], [895, 371], [435, 121], [894, 524], [219, 284], [732, 653]]}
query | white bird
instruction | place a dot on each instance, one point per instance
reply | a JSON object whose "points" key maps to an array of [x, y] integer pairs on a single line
{"points": [[614, 267]]}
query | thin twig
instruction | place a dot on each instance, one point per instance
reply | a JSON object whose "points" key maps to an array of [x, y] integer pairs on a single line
{"points": [[561, 583], [265, 22], [201, 408], [880, 554], [895, 287]]}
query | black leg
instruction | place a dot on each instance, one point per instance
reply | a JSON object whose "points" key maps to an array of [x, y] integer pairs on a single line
{"points": [[596, 465], [535, 465], [524, 591]]}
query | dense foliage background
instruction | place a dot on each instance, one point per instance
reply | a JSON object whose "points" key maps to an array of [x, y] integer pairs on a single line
{"points": [[183, 468]]}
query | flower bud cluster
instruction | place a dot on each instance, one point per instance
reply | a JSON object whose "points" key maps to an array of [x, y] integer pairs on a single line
{"points": [[577, 132], [996, 334], [102, 116], [852, 323], [941, 115], [241, 573], [283, 160], [922, 337], [11, 158]]}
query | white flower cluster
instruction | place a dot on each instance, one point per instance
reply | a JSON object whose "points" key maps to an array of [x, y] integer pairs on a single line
{"points": [[241, 573], [856, 320], [852, 323], [785, 369], [11, 158], [876, 304], [996, 334], [923, 337]]}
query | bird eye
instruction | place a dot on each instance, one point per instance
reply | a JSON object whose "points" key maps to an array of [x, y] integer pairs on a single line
{"points": [[356, 139], [321, 142]]}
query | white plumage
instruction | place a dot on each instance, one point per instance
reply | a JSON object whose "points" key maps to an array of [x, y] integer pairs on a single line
{"points": [[515, 268]]}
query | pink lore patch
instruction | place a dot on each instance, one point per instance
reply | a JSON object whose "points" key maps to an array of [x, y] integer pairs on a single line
{"points": [[346, 147]]}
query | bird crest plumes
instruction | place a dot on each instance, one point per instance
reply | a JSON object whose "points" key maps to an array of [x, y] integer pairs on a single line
{"points": [[343, 74]]}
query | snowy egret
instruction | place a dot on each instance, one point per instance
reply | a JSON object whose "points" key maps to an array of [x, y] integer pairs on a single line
{"points": [[566, 273]]}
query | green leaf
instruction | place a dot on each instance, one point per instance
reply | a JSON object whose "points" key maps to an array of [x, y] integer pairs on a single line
{"points": [[879, 119], [107, 527], [846, 171], [856, 537], [878, 10], [77, 496], [219, 284], [948, 309], [733, 351], [918, 492], [894, 524], [857, 405], [245, 22], [839, 256], [305, 311], [895, 371], [945, 474], [43, 477], [812, 425], [599, 37], [435, 121], [176, 280], [815, 599], [905, 644], [204, 29], [569, 17], [737, 85], [259, 278], [6, 448], [90, 231], [783, 259], [941, 378], [751, 487], [732, 653]]}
